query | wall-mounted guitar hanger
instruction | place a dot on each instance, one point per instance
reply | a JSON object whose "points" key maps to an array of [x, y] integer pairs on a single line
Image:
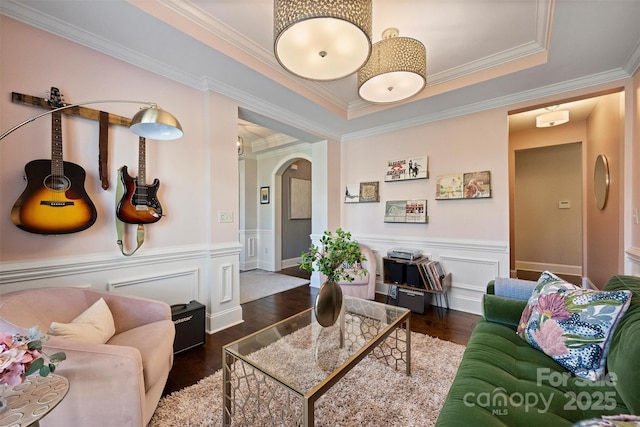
{"points": [[103, 117]]}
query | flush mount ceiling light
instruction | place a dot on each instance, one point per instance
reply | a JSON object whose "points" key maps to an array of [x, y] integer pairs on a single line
{"points": [[396, 69], [552, 118], [322, 39]]}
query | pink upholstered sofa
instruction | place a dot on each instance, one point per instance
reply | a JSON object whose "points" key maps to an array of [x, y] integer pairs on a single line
{"points": [[114, 384], [362, 286]]}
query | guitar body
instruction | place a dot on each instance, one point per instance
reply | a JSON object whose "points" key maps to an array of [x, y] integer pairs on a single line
{"points": [[139, 204], [53, 204]]}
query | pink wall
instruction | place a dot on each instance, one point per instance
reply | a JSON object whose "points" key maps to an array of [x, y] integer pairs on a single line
{"points": [[604, 256], [194, 171], [475, 142]]}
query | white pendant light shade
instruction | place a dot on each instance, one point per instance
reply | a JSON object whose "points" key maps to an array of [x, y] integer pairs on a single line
{"points": [[554, 118], [396, 70], [322, 39], [156, 123]]}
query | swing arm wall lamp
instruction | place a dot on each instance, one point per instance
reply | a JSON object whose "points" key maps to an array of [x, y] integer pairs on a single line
{"points": [[151, 122]]}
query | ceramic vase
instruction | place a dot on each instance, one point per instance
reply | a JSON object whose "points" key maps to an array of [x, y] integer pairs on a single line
{"points": [[328, 304]]}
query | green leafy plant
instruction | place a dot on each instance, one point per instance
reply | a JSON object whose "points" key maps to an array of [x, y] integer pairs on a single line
{"points": [[335, 257]]}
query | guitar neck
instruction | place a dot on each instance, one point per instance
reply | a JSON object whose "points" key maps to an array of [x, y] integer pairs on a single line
{"points": [[142, 161], [57, 164]]}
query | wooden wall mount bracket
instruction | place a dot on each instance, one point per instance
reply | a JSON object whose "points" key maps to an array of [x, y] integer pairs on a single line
{"points": [[87, 113]]}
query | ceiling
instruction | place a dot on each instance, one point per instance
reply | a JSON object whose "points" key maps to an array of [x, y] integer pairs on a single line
{"points": [[481, 54]]}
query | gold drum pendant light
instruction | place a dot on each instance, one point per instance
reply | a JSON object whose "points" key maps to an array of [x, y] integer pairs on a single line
{"points": [[322, 39], [396, 70]]}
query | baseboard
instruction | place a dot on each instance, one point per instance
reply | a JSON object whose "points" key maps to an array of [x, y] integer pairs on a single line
{"points": [[219, 321], [570, 270], [291, 262]]}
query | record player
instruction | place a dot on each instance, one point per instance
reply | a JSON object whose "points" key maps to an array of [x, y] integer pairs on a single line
{"points": [[404, 253]]}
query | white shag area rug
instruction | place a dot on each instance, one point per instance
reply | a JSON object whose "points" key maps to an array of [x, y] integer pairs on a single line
{"points": [[371, 394], [256, 284]]}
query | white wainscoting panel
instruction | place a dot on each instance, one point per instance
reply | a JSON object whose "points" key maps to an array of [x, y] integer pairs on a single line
{"points": [[469, 278], [249, 254], [175, 275], [472, 264], [226, 282], [632, 261], [172, 287]]}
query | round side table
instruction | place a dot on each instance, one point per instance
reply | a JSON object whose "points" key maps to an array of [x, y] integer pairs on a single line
{"points": [[30, 401]]}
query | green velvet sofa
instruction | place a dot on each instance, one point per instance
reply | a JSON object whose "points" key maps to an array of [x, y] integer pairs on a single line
{"points": [[503, 381]]}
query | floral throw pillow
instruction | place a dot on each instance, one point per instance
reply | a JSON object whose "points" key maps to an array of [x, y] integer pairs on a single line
{"points": [[549, 283], [573, 326]]}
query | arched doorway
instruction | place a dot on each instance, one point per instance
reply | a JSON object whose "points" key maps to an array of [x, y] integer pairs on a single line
{"points": [[292, 228]]}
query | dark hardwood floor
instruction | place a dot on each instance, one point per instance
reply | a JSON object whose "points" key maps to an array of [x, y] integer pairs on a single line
{"points": [[192, 365]]}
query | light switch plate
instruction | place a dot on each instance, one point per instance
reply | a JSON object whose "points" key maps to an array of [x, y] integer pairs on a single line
{"points": [[564, 204], [225, 216]]}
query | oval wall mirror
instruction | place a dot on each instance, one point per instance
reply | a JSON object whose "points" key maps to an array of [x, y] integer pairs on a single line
{"points": [[601, 180]]}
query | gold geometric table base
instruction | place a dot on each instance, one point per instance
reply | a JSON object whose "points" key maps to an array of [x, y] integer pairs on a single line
{"points": [[28, 402], [253, 397]]}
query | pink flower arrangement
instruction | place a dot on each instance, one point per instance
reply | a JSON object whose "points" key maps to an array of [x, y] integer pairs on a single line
{"points": [[21, 356]]}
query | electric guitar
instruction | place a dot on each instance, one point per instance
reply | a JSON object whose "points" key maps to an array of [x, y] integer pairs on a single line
{"points": [[139, 204], [55, 201]]}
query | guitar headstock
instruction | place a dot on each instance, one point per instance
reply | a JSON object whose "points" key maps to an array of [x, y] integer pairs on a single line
{"points": [[55, 98]]}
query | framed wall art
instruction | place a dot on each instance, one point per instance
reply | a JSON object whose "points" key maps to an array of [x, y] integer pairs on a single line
{"points": [[468, 185], [369, 192], [407, 168], [264, 195], [477, 185], [352, 193], [449, 186], [406, 211], [299, 198]]}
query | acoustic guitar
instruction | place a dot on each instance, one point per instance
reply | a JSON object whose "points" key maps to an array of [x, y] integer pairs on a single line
{"points": [[55, 201], [139, 203]]}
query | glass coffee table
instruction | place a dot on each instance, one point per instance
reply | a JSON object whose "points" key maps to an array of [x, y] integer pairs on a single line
{"points": [[276, 375]]}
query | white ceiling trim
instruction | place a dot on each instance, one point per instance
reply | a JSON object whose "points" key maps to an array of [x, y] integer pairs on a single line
{"points": [[486, 63], [272, 141], [236, 39], [269, 109], [210, 23], [468, 69], [280, 152], [543, 23], [633, 62], [36, 19], [505, 101]]}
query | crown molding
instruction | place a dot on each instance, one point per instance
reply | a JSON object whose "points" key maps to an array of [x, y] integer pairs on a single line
{"points": [[24, 13], [504, 101], [195, 14], [633, 62], [27, 15]]}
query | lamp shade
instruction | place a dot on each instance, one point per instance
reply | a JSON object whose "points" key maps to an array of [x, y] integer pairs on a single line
{"points": [[553, 118], [396, 70], [322, 39], [156, 123]]}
